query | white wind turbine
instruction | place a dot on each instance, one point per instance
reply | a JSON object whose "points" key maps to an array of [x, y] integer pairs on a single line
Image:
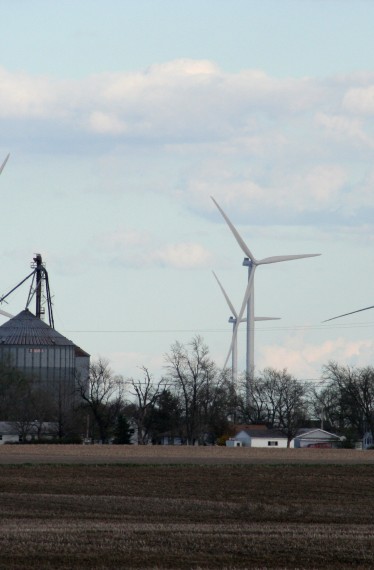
{"points": [[4, 313], [233, 319], [4, 163], [248, 300], [346, 314]]}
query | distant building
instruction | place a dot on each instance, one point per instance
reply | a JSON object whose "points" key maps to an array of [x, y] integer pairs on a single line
{"points": [[261, 436], [257, 436], [8, 433], [318, 438], [44, 355]]}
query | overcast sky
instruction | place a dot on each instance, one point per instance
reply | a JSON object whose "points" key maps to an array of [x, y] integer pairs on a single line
{"points": [[123, 118]]}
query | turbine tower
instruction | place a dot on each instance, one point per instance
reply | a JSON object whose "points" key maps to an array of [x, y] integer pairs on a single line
{"points": [[248, 300], [233, 320]]}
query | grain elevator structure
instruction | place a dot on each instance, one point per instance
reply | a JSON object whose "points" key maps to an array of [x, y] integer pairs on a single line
{"points": [[51, 361]]}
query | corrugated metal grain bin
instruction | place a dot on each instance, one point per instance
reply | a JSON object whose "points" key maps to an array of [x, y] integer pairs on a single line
{"points": [[43, 354]]}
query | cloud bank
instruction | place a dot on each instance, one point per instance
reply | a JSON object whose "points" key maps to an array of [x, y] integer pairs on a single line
{"points": [[284, 150]]}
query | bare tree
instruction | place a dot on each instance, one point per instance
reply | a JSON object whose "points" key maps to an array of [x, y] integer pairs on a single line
{"points": [[354, 391], [280, 401], [196, 380], [103, 393], [146, 393]]}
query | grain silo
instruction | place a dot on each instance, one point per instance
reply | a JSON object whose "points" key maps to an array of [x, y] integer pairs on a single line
{"points": [[45, 356]]}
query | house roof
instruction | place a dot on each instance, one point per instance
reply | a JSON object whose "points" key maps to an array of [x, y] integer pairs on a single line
{"points": [[307, 433], [264, 433]]}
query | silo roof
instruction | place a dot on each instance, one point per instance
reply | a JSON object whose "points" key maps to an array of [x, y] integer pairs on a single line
{"points": [[27, 329]]}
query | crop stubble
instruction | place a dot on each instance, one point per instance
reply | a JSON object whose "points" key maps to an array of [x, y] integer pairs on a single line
{"points": [[186, 516]]}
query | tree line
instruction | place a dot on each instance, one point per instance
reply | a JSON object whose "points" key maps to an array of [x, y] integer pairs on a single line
{"points": [[193, 402]]}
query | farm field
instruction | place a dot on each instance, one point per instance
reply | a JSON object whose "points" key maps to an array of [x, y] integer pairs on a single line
{"points": [[164, 454], [187, 516]]}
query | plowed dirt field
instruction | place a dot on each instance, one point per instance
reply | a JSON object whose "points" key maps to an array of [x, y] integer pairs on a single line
{"points": [[109, 507]]}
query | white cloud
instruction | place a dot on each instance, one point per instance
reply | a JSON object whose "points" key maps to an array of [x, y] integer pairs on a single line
{"points": [[280, 150], [140, 249], [182, 256], [306, 359], [106, 123], [360, 100], [342, 128], [22, 95]]}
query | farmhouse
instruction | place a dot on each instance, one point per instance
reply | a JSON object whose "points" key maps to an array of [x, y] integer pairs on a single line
{"points": [[257, 436], [261, 436]]}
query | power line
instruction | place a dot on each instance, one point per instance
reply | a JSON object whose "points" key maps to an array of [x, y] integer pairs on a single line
{"points": [[258, 329]]}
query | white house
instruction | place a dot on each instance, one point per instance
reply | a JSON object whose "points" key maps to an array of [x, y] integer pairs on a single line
{"points": [[261, 436], [257, 436]]}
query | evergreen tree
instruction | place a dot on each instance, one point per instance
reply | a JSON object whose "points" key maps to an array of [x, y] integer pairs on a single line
{"points": [[123, 431]]}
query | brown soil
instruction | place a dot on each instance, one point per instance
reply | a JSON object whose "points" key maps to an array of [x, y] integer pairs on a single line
{"points": [[163, 454], [284, 516]]}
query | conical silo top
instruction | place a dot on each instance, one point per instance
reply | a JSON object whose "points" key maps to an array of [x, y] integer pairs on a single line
{"points": [[27, 329]]}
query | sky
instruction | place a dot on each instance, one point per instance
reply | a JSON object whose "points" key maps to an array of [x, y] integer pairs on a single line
{"points": [[123, 118]]}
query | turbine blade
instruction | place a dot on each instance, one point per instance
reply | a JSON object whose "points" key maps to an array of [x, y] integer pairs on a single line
{"points": [[226, 296], [4, 163], [279, 258], [346, 314], [267, 318], [241, 313], [5, 314], [237, 236]]}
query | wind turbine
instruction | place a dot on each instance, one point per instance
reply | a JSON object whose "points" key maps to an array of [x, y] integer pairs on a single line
{"points": [[346, 314], [233, 320], [4, 163], [248, 301], [5, 314]]}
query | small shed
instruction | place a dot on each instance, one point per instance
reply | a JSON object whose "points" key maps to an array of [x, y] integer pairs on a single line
{"points": [[318, 438]]}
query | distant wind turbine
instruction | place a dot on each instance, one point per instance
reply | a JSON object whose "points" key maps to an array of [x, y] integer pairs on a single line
{"points": [[248, 301], [4, 163], [346, 314], [5, 314], [233, 319]]}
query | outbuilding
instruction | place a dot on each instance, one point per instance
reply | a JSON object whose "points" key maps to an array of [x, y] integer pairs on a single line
{"points": [[318, 438]]}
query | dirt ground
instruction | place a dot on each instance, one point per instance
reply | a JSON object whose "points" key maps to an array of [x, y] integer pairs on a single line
{"points": [[187, 517], [133, 454]]}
